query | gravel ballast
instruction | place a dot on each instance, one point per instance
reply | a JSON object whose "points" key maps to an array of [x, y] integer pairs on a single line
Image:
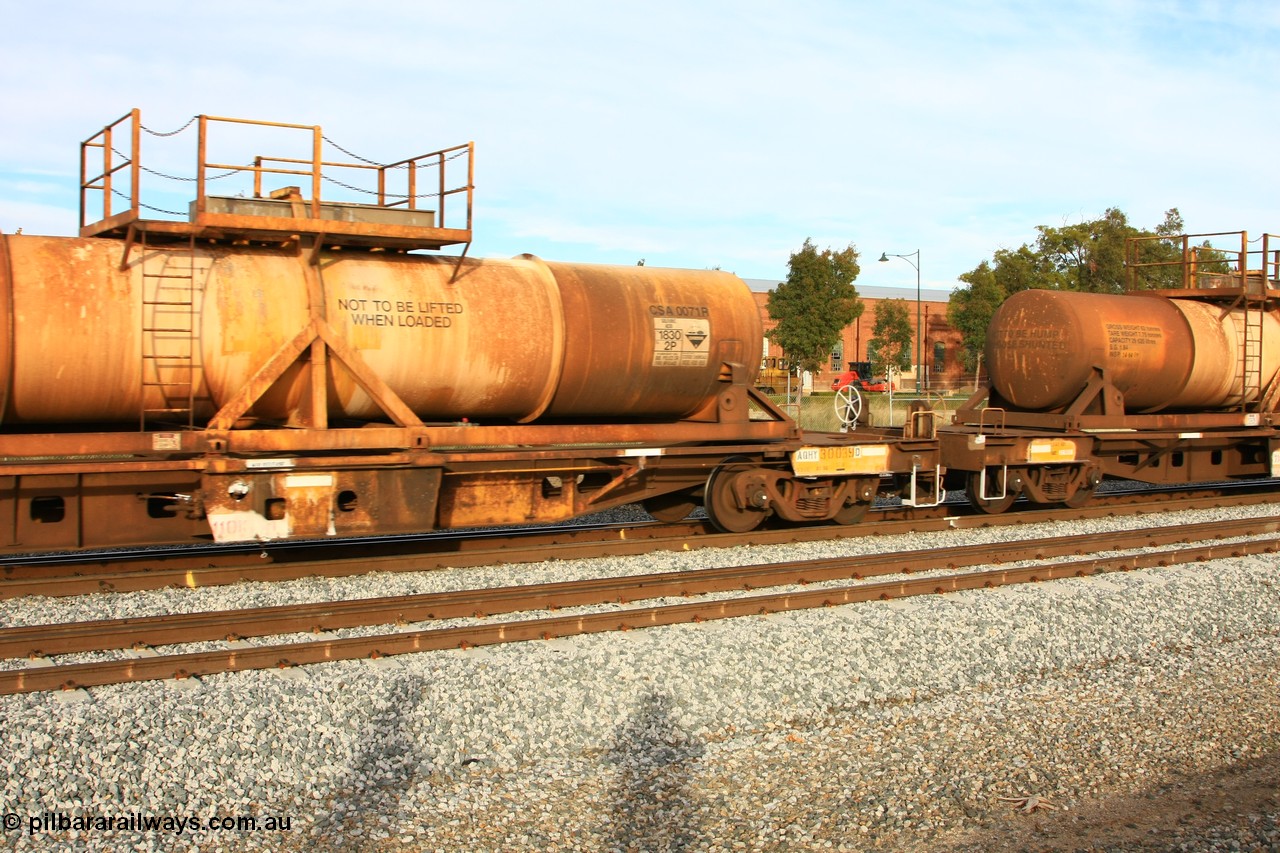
{"points": [[1140, 708]]}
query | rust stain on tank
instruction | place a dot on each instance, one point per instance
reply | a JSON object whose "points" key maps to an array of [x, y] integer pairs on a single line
{"points": [[1043, 346], [514, 340]]}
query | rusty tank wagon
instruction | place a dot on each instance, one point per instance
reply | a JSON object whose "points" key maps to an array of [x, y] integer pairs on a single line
{"points": [[1173, 384], [277, 365]]}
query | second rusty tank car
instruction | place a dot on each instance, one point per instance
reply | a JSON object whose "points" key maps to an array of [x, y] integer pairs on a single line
{"points": [[1171, 385], [1160, 353]]}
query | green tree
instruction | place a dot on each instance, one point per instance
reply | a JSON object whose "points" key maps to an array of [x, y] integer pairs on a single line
{"points": [[814, 305], [1156, 262], [1172, 225], [1086, 256], [970, 308], [1022, 269], [891, 336]]}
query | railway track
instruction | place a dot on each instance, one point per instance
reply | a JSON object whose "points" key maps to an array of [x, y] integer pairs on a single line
{"points": [[147, 633], [191, 568]]}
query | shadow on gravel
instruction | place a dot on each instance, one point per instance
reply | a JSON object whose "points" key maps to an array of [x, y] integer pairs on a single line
{"points": [[1234, 807], [388, 763], [651, 807]]}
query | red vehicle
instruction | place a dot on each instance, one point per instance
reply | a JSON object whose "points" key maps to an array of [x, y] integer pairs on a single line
{"points": [[878, 383], [850, 377], [844, 380]]}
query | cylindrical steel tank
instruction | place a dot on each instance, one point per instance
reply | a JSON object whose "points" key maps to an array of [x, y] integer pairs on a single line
{"points": [[486, 344], [514, 340], [1042, 347], [648, 340]]}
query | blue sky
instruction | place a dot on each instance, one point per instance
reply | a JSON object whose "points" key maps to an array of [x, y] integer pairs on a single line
{"points": [[698, 134]]}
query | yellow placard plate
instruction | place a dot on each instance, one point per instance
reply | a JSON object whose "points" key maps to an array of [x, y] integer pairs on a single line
{"points": [[1051, 450], [848, 459]]}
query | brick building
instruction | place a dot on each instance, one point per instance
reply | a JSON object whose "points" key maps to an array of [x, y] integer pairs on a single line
{"points": [[943, 370]]}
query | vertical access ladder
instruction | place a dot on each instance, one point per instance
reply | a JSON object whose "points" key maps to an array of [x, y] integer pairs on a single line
{"points": [[1269, 271], [1177, 268], [1251, 349], [1254, 301], [172, 290]]}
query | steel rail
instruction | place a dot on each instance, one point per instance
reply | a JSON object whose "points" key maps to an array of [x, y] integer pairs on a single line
{"points": [[559, 543], [263, 554], [293, 654], [53, 639]]}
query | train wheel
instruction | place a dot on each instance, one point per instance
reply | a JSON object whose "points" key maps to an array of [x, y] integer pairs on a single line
{"points": [[851, 513], [974, 487], [670, 508], [855, 511], [1082, 496], [722, 503]]}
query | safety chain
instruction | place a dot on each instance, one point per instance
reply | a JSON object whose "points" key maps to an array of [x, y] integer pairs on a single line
{"points": [[225, 174], [352, 154], [365, 160], [376, 163], [374, 192], [172, 132], [117, 192], [231, 172]]}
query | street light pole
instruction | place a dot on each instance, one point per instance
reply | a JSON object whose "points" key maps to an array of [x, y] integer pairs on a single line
{"points": [[884, 258]]}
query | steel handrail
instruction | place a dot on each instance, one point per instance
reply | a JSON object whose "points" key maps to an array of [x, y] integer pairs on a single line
{"points": [[115, 161]]}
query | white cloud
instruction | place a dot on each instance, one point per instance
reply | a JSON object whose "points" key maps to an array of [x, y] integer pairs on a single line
{"points": [[705, 134], [33, 218]]}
